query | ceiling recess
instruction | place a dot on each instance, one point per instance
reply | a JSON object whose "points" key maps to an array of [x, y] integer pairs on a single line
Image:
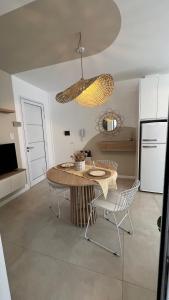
{"points": [[42, 32]]}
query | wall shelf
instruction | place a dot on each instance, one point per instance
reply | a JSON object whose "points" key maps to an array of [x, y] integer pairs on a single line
{"points": [[6, 111], [124, 145]]}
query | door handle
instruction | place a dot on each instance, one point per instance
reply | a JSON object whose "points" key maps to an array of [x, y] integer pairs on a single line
{"points": [[150, 140], [149, 146], [29, 148]]}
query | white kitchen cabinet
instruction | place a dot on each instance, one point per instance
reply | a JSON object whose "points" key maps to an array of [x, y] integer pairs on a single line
{"points": [[5, 187], [163, 96], [153, 97], [148, 97], [12, 182], [18, 181]]}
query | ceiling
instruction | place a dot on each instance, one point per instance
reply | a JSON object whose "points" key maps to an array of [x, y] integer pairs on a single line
{"points": [[46, 32], [141, 47], [9, 5]]}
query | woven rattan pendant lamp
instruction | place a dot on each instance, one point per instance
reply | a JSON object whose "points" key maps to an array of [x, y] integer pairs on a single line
{"points": [[88, 92]]}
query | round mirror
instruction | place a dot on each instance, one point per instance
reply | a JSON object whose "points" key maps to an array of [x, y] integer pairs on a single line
{"points": [[109, 122]]}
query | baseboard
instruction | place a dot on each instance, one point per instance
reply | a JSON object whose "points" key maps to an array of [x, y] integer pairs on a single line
{"points": [[126, 177], [14, 195]]}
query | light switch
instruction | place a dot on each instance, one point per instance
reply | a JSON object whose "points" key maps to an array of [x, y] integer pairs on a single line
{"points": [[17, 124], [67, 132]]}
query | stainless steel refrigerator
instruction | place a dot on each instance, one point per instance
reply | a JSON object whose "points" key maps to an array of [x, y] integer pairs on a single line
{"points": [[152, 158]]}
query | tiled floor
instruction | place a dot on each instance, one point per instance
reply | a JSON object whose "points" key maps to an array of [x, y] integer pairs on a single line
{"points": [[48, 259]]}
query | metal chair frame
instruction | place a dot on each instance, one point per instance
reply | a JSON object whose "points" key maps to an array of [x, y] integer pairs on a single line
{"points": [[108, 162], [59, 190], [122, 204]]}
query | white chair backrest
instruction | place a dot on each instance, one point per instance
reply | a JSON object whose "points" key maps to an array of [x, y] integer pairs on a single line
{"points": [[126, 197], [107, 162], [52, 184]]}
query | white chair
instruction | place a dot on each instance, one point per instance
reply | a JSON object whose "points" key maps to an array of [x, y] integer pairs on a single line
{"points": [[59, 190], [114, 204], [107, 162]]}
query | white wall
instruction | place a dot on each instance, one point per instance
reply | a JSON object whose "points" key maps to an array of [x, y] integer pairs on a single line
{"points": [[22, 89], [72, 116], [8, 133]]}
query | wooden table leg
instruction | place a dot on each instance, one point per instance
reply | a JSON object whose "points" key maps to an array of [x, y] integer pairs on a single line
{"points": [[80, 197]]}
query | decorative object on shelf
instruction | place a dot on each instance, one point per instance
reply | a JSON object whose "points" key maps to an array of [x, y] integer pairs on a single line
{"points": [[88, 154], [88, 92], [109, 122], [79, 160]]}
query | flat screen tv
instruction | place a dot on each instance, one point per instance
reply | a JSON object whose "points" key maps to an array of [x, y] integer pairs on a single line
{"points": [[8, 160]]}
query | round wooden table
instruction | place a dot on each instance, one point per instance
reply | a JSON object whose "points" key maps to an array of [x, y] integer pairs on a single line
{"points": [[81, 194]]}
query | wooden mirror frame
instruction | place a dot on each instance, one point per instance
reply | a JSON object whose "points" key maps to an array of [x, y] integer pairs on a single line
{"points": [[109, 114]]}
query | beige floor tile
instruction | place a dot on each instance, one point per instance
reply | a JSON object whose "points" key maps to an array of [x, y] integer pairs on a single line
{"points": [[132, 292], [76, 268], [22, 230], [145, 213], [66, 242], [37, 277], [141, 254], [12, 252]]}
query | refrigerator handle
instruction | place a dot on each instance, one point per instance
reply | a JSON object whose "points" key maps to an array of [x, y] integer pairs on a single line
{"points": [[149, 146], [149, 140]]}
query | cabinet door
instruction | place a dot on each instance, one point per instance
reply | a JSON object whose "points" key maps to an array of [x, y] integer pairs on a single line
{"points": [[148, 97], [18, 181], [152, 167], [5, 187], [163, 96]]}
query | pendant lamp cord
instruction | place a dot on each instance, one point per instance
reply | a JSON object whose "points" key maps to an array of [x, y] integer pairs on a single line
{"points": [[81, 53]]}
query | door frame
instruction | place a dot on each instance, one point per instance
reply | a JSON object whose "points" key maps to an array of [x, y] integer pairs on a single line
{"points": [[163, 271], [36, 103]]}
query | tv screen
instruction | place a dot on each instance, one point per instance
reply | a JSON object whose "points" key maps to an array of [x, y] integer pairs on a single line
{"points": [[8, 160]]}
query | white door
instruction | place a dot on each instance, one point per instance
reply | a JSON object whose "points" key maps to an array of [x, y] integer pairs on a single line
{"points": [[152, 167], [33, 119], [4, 285]]}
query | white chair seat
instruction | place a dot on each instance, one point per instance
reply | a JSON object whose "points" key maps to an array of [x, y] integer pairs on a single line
{"points": [[107, 205], [114, 203]]}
